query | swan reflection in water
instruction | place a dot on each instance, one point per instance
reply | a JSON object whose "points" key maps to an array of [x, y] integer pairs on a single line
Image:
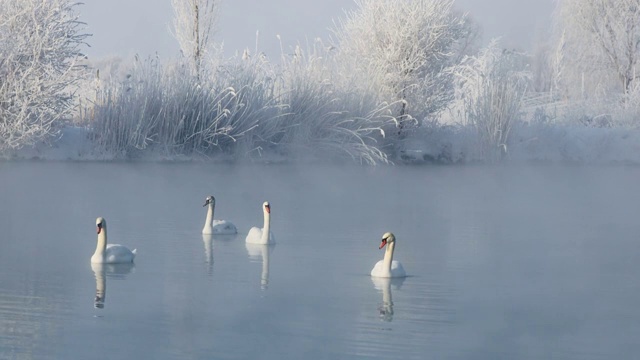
{"points": [[261, 252], [384, 285], [113, 271], [207, 240]]}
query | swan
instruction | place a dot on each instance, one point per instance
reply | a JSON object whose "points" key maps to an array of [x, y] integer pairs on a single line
{"points": [[262, 236], [111, 253], [387, 267], [216, 227]]}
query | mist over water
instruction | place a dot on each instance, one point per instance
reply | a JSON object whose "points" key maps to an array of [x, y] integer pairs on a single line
{"points": [[503, 262]]}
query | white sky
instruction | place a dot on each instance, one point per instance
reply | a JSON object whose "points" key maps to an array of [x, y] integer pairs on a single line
{"points": [[126, 27]]}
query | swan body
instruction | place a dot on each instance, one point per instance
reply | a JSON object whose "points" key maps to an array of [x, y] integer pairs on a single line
{"points": [[387, 267], [110, 253], [216, 227], [262, 236]]}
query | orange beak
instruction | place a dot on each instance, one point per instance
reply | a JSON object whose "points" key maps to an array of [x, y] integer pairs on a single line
{"points": [[384, 242], [268, 209], [98, 229]]}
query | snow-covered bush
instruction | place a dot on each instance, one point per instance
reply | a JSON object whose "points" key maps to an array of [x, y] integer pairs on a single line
{"points": [[490, 89], [40, 45], [165, 109], [323, 116]]}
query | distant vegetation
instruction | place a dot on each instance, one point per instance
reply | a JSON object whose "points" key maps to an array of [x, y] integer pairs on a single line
{"points": [[398, 82]]}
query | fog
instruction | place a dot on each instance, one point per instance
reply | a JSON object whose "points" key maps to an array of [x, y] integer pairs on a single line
{"points": [[515, 262]]}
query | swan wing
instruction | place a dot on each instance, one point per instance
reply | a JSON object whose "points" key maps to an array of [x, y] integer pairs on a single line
{"points": [[378, 270], [254, 236], [397, 270], [116, 253], [224, 227]]}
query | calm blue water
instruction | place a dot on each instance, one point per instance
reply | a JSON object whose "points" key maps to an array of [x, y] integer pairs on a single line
{"points": [[505, 263]]}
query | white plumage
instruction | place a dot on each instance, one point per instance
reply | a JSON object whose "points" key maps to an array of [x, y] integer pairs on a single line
{"points": [[216, 227], [110, 253], [262, 235], [387, 267]]}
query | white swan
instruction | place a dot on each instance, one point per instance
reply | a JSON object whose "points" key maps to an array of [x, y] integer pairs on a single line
{"points": [[262, 236], [387, 267], [216, 227], [111, 253]]}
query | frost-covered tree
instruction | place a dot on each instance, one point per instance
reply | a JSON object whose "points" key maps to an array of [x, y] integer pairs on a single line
{"points": [[542, 66], [194, 24], [40, 44], [601, 38], [490, 88], [404, 48]]}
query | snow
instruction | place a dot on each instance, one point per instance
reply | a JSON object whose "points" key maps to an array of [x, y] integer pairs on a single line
{"points": [[378, 92]]}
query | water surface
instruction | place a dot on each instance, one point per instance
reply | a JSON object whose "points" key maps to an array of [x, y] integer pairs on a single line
{"points": [[504, 262]]}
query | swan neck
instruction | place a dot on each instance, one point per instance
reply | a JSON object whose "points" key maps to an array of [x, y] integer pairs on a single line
{"points": [[209, 220], [266, 227], [102, 243], [388, 256]]}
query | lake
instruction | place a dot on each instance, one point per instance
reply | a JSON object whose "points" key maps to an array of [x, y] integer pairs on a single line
{"points": [[514, 262]]}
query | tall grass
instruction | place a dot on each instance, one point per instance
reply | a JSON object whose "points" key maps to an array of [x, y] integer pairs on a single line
{"points": [[246, 108], [491, 87]]}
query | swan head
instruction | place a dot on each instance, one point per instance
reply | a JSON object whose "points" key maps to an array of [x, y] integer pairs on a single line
{"points": [[266, 207], [387, 238], [209, 200], [101, 223]]}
